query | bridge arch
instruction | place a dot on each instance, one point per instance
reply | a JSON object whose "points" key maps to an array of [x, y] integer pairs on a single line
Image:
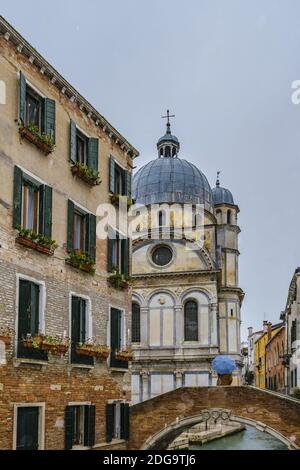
{"points": [[166, 435], [161, 419]]}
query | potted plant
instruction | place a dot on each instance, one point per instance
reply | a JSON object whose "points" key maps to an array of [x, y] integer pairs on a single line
{"points": [[82, 261], [36, 241], [32, 342], [115, 200], [6, 335], [86, 173], [118, 280], [124, 355], [55, 345], [92, 349], [41, 140]]}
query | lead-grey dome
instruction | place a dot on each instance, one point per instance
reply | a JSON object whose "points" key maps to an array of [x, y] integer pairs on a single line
{"points": [[222, 196], [171, 180]]}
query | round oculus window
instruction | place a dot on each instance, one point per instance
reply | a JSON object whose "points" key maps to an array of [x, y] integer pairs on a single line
{"points": [[162, 255]]}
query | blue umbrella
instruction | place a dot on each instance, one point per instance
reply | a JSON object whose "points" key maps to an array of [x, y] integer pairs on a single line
{"points": [[223, 365]]}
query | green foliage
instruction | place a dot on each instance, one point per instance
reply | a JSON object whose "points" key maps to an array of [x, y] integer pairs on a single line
{"points": [[82, 261], [37, 238], [115, 199], [43, 137], [89, 173], [249, 376], [119, 280], [296, 393]]}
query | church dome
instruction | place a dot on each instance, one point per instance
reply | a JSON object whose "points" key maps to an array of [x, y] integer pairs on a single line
{"points": [[222, 195], [169, 179]]}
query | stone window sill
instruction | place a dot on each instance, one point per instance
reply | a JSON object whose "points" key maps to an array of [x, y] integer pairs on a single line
{"points": [[118, 369], [19, 361], [107, 444], [81, 366]]}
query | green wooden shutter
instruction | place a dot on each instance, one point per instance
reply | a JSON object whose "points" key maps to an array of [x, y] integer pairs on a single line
{"points": [[112, 175], [22, 97], [24, 305], [34, 309], [47, 212], [49, 126], [73, 144], [17, 203], [92, 236], [124, 421], [89, 425], [125, 256], [128, 184], [110, 412], [69, 427], [92, 157], [70, 234], [110, 246]]}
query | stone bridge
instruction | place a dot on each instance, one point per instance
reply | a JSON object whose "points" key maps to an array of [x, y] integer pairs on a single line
{"points": [[157, 422]]}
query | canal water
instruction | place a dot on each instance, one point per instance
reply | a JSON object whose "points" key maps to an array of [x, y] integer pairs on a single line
{"points": [[249, 439]]}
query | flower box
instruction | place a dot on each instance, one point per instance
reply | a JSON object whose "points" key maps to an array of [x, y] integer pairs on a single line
{"points": [[55, 349], [34, 245], [118, 283], [115, 200], [99, 352], [124, 355], [81, 261], [85, 174], [32, 343], [36, 139]]}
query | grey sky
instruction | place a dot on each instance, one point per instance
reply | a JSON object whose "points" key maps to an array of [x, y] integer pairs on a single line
{"points": [[225, 69]]}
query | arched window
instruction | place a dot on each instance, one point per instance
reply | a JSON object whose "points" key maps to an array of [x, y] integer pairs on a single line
{"points": [[162, 219], [219, 216], [136, 323], [229, 217], [191, 321]]}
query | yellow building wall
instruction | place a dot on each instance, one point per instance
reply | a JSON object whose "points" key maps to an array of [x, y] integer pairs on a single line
{"points": [[260, 359]]}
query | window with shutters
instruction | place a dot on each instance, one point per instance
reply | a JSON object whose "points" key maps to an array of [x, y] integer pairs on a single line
{"points": [[117, 421], [118, 252], [117, 337], [29, 427], [81, 235], [136, 323], [32, 205], [80, 329], [80, 426], [37, 117], [34, 108], [30, 318], [84, 152], [191, 321], [120, 180]]}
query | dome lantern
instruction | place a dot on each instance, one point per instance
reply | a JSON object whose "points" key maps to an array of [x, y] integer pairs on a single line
{"points": [[168, 145]]}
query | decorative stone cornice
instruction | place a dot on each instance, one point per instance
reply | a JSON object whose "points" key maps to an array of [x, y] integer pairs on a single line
{"points": [[176, 274], [65, 88]]}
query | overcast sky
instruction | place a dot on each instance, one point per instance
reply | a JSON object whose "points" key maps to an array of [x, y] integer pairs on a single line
{"points": [[225, 69]]}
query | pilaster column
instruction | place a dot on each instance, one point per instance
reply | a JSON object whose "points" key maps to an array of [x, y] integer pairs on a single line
{"points": [[213, 325], [144, 326], [178, 378], [145, 385], [179, 325]]}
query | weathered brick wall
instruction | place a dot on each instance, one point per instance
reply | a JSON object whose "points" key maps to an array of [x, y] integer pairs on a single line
{"points": [[154, 415]]}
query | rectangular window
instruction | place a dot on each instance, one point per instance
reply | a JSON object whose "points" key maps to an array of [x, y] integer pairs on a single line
{"points": [[32, 205], [29, 319], [118, 252], [81, 148], [117, 338], [28, 423], [117, 421], [79, 330], [34, 108], [120, 180], [136, 323], [81, 234], [80, 426]]}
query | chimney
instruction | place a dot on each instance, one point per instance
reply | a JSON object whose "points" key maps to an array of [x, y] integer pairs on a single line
{"points": [[265, 326], [269, 331], [250, 331]]}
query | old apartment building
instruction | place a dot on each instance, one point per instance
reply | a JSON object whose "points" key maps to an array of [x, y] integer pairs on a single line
{"points": [[64, 322]]}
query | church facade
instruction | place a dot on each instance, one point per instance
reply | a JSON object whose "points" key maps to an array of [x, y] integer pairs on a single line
{"points": [[186, 302]]}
